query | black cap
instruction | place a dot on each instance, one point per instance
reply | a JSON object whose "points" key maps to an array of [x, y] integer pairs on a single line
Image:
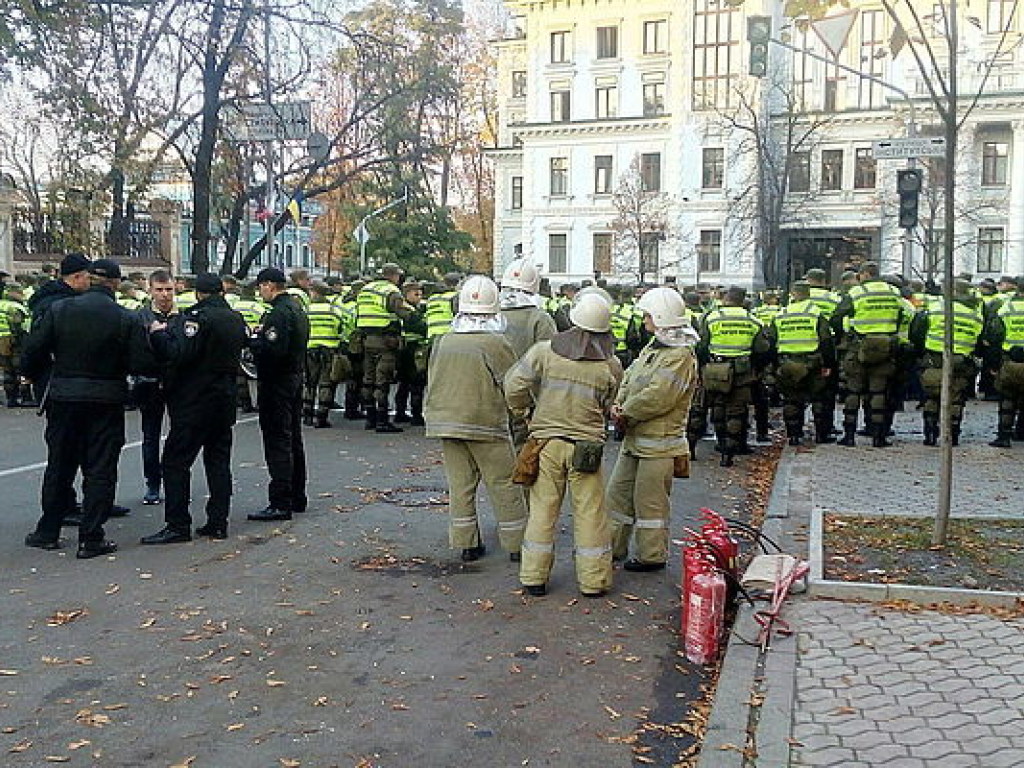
{"points": [[270, 275], [107, 268], [208, 282], [74, 262]]}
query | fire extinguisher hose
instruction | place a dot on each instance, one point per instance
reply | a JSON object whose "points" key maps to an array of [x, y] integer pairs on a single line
{"points": [[770, 619]]}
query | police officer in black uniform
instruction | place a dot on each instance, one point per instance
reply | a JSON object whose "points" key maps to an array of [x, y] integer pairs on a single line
{"points": [[94, 345], [279, 350], [201, 347]]}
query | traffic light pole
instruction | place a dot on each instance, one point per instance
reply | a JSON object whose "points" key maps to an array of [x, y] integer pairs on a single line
{"points": [[908, 245]]}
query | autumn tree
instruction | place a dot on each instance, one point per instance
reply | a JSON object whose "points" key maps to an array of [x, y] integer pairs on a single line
{"points": [[641, 225]]}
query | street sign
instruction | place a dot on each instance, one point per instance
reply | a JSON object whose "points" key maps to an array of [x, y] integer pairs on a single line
{"points": [[901, 149], [318, 146], [361, 234], [257, 121]]}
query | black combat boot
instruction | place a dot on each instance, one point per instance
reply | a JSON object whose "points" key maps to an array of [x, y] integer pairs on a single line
{"points": [[371, 418], [384, 425], [1002, 441], [1018, 431], [417, 419], [878, 438], [849, 438], [726, 460], [931, 430], [823, 431], [321, 421], [307, 416], [954, 434]]}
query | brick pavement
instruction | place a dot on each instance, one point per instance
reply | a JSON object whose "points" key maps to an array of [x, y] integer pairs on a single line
{"points": [[862, 685], [879, 687]]}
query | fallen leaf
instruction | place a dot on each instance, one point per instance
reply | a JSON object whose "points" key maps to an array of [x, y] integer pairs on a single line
{"points": [[235, 727], [276, 683], [79, 744], [66, 617], [148, 623], [57, 758], [219, 679], [94, 719], [612, 713], [288, 762], [21, 746], [844, 711], [113, 589], [399, 706], [186, 763]]}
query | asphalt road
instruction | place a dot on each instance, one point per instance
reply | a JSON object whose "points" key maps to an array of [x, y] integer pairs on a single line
{"points": [[351, 636]]}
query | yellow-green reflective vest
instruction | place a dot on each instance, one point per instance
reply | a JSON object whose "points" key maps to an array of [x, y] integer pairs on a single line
{"points": [[440, 313], [251, 310], [1012, 315], [185, 300], [968, 323], [129, 303], [825, 300], [731, 331], [9, 309], [766, 312], [622, 314], [348, 317], [877, 308], [372, 310], [300, 296], [325, 321], [796, 328]]}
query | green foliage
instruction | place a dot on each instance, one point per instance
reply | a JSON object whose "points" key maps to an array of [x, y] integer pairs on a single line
{"points": [[815, 9]]}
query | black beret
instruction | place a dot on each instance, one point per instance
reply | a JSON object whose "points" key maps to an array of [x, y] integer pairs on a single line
{"points": [[208, 282], [270, 275], [107, 268], [74, 262]]}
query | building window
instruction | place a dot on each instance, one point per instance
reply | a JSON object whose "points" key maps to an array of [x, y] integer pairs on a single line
{"points": [[602, 252], [1000, 16], [558, 253], [560, 104], [713, 168], [874, 46], [559, 176], [864, 169], [831, 170], [607, 42], [800, 172], [649, 245], [716, 53], [606, 98], [994, 159], [656, 36], [305, 256], [803, 69], [603, 175], [560, 47], [710, 250], [654, 99], [519, 84], [289, 255], [517, 193], [650, 171], [832, 91], [991, 244]]}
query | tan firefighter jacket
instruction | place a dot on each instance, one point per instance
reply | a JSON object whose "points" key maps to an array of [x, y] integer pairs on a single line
{"points": [[655, 399], [464, 386]]}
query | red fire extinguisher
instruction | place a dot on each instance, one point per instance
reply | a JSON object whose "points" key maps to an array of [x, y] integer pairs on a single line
{"points": [[721, 542], [705, 614], [695, 559]]}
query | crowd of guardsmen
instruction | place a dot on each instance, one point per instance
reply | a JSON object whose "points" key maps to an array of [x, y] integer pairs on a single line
{"points": [[868, 344]]}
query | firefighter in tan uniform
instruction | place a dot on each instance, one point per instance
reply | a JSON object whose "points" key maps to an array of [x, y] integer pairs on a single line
{"points": [[567, 386], [525, 322], [465, 407], [652, 406]]}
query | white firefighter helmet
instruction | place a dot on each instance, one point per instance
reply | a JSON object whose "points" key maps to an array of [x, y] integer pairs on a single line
{"points": [[479, 296], [591, 313], [521, 275], [595, 290], [665, 306]]}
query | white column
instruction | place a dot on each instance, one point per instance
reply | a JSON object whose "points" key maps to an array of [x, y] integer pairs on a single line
{"points": [[8, 197], [1014, 262]]}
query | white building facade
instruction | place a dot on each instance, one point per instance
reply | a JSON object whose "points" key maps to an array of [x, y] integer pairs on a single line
{"points": [[600, 97]]}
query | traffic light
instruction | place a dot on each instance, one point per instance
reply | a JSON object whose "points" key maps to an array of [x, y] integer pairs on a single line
{"points": [[908, 184], [759, 32]]}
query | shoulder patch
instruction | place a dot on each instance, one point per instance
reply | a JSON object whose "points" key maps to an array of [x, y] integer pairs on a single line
{"points": [[191, 328], [271, 334]]}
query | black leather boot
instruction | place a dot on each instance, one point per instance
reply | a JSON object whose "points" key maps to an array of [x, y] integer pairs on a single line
{"points": [[878, 438], [371, 418], [384, 425], [849, 438], [931, 431]]}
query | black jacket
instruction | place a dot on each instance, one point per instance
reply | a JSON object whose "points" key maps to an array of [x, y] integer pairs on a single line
{"points": [[94, 345], [279, 346], [48, 295], [201, 348]]}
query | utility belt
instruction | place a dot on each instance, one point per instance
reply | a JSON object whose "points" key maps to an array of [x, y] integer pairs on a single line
{"points": [[733, 360], [874, 348]]}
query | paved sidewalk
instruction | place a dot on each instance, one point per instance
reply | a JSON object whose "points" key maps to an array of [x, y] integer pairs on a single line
{"points": [[866, 684]]}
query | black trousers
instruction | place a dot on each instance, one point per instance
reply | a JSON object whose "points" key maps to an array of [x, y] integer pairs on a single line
{"points": [[86, 435], [150, 399], [209, 431], [280, 407]]}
